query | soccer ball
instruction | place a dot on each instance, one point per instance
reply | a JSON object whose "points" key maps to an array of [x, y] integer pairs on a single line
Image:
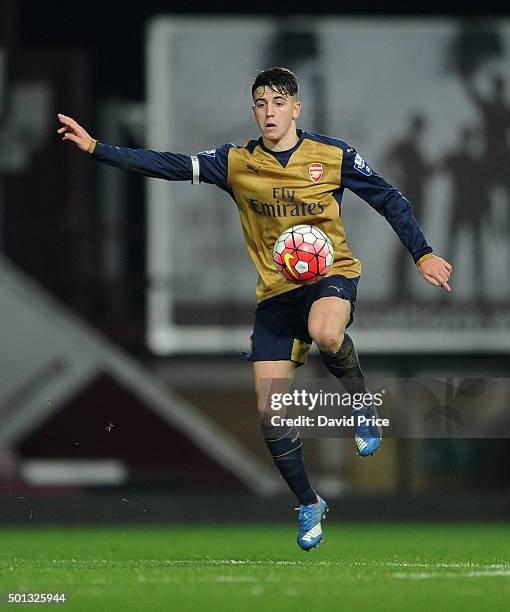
{"points": [[303, 254]]}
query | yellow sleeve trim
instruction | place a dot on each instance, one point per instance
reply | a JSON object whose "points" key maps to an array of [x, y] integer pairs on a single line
{"points": [[424, 258], [92, 146]]}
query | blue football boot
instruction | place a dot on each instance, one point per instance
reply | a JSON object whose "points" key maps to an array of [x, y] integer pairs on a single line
{"points": [[310, 516], [368, 437]]}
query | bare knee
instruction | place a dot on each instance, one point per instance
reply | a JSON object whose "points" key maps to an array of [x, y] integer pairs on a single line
{"points": [[326, 322], [327, 340]]}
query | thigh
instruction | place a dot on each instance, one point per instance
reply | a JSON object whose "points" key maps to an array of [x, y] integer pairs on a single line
{"points": [[271, 377], [328, 306], [279, 333], [328, 316]]}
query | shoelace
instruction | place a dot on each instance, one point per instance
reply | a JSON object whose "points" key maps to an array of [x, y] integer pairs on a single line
{"points": [[309, 521]]}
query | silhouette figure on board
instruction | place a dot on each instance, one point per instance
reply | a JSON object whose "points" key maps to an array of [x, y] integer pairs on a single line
{"points": [[495, 117], [469, 175], [409, 170]]}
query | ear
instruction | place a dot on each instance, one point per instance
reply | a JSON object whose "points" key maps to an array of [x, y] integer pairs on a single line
{"points": [[296, 110]]}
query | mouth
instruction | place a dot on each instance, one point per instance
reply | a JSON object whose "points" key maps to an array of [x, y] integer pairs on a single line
{"points": [[270, 126]]}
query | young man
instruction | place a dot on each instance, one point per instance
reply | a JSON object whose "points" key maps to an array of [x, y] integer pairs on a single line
{"points": [[314, 170]]}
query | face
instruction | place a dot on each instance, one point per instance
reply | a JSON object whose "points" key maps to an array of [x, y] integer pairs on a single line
{"points": [[275, 113]]}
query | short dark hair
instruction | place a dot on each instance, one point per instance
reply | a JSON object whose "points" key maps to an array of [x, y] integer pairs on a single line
{"points": [[279, 79]]}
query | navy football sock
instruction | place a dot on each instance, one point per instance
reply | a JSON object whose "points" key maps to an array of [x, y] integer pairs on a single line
{"points": [[284, 444], [344, 365]]}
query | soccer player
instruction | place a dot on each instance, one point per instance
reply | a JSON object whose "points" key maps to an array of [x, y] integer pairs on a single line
{"points": [[287, 177]]}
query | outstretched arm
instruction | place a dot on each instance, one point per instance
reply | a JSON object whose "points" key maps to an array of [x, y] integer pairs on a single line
{"points": [[207, 167], [170, 166]]}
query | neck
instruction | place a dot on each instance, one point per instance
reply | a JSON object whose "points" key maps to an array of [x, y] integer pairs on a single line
{"points": [[285, 143]]}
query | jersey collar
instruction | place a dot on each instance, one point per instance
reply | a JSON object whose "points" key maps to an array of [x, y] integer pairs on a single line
{"points": [[283, 156]]}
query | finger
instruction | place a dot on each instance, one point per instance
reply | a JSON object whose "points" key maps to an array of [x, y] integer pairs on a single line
{"points": [[70, 136], [442, 273], [448, 266], [63, 118], [442, 281], [68, 121], [62, 130], [432, 280]]}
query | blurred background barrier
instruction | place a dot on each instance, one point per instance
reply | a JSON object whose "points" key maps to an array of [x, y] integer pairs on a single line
{"points": [[99, 401], [122, 389]]}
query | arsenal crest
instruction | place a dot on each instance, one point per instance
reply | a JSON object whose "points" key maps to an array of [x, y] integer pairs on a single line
{"points": [[316, 172]]}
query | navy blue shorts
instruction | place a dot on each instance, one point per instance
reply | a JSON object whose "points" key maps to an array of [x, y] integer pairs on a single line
{"points": [[280, 331]]}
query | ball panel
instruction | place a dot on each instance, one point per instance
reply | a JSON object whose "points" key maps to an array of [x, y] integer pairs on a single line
{"points": [[301, 267], [319, 245], [297, 238], [313, 265], [309, 238], [317, 232], [306, 247], [322, 268], [277, 258], [305, 256]]}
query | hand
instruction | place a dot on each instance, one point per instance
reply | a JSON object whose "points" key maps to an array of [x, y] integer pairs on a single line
{"points": [[74, 132], [436, 271]]}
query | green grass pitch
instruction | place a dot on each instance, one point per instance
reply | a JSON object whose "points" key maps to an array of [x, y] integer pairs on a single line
{"points": [[377, 567]]}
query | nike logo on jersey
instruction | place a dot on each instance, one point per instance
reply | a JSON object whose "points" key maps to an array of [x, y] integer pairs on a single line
{"points": [[253, 169], [339, 289]]}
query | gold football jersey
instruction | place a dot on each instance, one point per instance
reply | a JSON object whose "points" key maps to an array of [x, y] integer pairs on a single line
{"points": [[275, 190], [272, 197]]}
